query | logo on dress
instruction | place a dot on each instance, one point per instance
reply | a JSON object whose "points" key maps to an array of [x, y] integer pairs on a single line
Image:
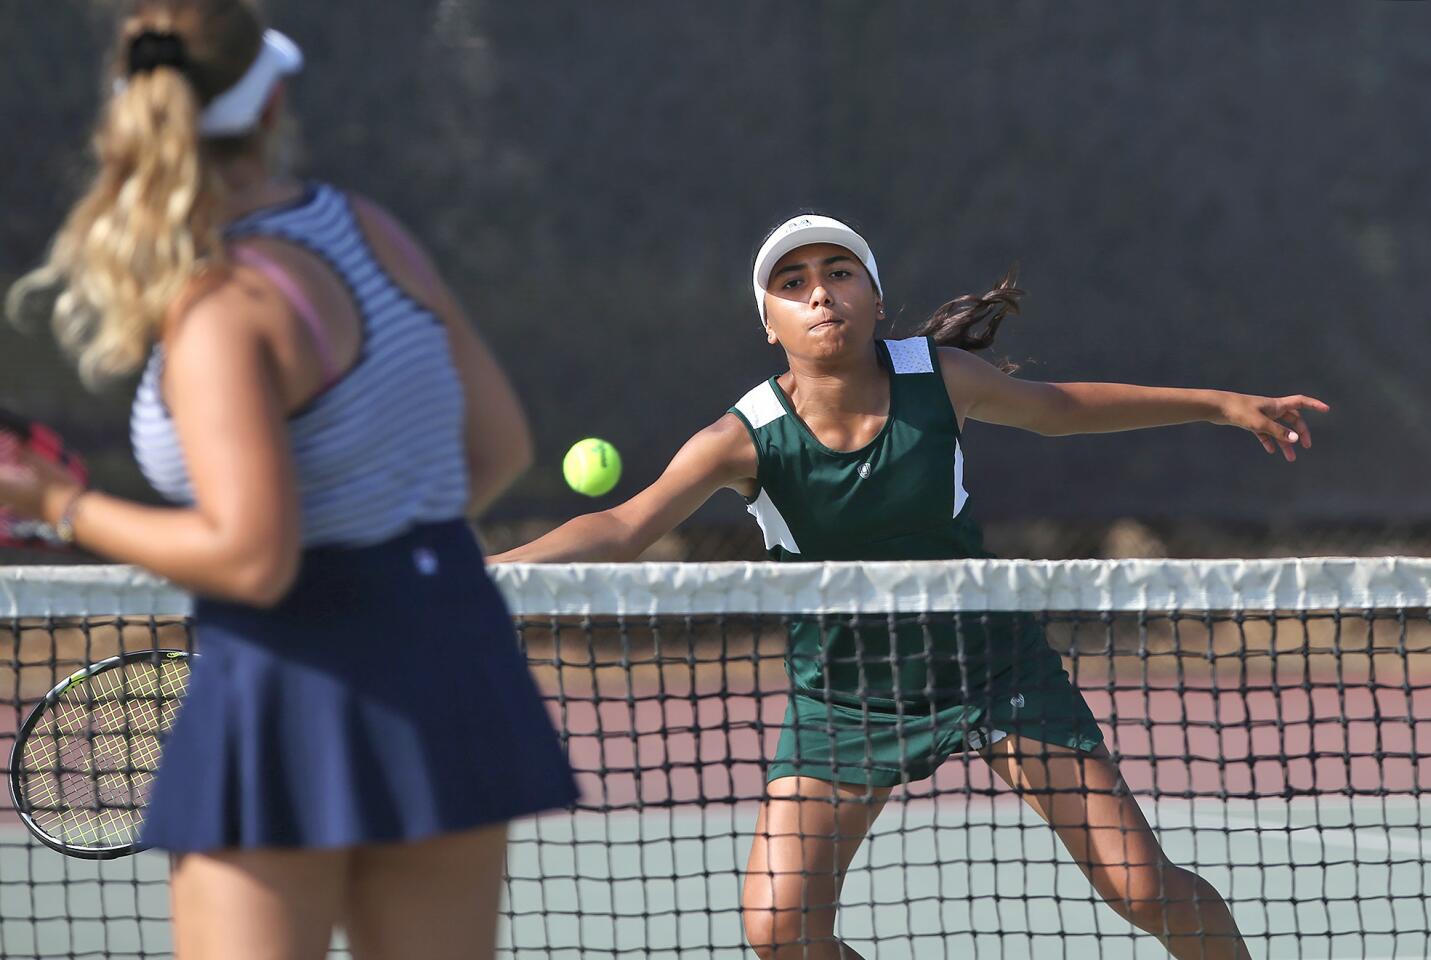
{"points": [[1017, 701], [865, 470], [425, 560]]}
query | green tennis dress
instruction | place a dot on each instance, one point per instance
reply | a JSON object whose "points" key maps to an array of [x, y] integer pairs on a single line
{"points": [[881, 700]]}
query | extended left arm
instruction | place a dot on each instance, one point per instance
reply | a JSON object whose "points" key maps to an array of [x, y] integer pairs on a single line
{"points": [[981, 392]]}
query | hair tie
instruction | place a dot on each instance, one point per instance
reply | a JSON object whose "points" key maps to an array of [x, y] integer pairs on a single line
{"points": [[152, 49]]}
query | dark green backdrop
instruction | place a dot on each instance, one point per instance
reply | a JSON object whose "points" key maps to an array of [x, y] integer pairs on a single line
{"points": [[1222, 193]]}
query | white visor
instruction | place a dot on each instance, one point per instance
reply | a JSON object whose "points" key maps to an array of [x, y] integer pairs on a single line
{"points": [[237, 109], [801, 231]]}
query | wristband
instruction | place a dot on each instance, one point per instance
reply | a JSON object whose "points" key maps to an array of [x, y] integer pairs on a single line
{"points": [[65, 526]]}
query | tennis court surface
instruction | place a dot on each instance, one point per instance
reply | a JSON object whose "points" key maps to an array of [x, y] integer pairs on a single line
{"points": [[1270, 717]]}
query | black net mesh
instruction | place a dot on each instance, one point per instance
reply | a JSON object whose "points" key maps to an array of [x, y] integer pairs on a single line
{"points": [[1265, 757]]}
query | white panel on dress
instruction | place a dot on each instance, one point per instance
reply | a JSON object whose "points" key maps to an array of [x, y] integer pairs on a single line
{"points": [[910, 356], [761, 406], [772, 524], [960, 495]]}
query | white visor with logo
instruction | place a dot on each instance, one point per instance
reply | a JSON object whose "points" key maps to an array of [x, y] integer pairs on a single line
{"points": [[799, 232]]}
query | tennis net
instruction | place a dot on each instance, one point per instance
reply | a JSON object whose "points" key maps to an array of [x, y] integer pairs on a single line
{"points": [[1269, 717]]}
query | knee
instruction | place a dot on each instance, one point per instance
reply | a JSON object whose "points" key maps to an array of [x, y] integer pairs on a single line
{"points": [[762, 932], [1145, 894], [778, 932]]}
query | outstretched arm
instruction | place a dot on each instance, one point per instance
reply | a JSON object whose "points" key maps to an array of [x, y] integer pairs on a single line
{"points": [[721, 455], [981, 392]]}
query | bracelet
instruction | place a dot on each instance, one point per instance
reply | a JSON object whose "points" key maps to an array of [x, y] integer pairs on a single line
{"points": [[65, 526]]}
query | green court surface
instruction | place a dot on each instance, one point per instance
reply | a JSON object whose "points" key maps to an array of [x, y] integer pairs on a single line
{"points": [[1314, 877]]}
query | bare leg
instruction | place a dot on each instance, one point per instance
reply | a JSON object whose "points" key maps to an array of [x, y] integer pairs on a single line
{"points": [[256, 904], [805, 837], [1084, 799], [435, 898]]}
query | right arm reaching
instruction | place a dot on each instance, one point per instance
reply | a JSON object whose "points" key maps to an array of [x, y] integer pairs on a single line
{"points": [[721, 455]]}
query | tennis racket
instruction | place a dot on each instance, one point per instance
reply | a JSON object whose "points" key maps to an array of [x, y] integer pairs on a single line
{"points": [[16, 434], [86, 755]]}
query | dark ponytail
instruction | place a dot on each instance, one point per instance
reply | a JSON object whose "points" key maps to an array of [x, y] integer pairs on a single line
{"points": [[970, 322]]}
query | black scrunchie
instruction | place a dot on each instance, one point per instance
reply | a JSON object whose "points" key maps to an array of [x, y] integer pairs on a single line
{"points": [[151, 50]]}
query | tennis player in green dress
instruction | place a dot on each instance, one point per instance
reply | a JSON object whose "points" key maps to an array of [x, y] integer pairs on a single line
{"points": [[856, 453]]}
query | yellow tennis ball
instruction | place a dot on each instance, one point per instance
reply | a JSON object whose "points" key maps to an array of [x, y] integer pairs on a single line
{"points": [[591, 467]]}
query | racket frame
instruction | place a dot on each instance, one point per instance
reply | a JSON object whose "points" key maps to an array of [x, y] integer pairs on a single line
{"points": [[32, 722]]}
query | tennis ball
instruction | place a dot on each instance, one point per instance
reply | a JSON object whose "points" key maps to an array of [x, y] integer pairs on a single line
{"points": [[591, 467]]}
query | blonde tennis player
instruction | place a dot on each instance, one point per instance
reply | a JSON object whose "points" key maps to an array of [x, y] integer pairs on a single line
{"points": [[360, 726]]}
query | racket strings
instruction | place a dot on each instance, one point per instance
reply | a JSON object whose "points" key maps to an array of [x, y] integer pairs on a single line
{"points": [[88, 766]]}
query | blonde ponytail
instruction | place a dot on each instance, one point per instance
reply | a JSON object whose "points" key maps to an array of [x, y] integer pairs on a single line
{"points": [[151, 220]]}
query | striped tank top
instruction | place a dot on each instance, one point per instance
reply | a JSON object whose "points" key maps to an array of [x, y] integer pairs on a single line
{"points": [[381, 448]]}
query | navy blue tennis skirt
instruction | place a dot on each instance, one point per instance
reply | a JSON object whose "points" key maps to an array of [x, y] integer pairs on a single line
{"points": [[383, 700]]}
